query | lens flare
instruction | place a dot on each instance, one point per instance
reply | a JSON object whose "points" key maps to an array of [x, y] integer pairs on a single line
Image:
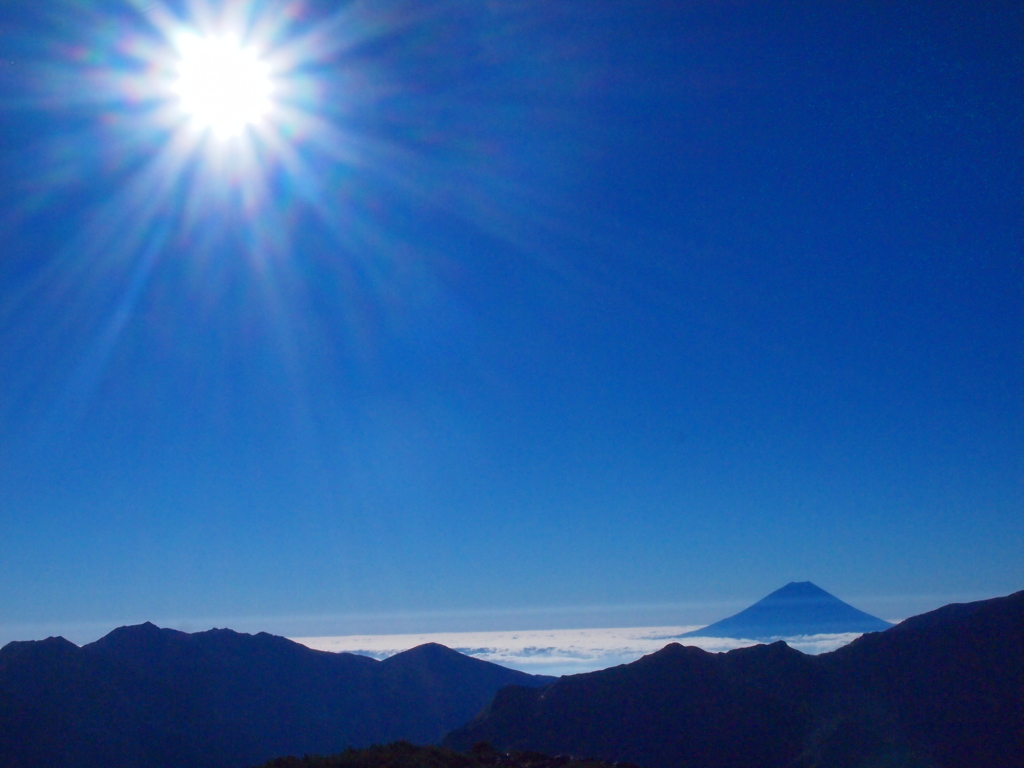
{"points": [[291, 169], [222, 86]]}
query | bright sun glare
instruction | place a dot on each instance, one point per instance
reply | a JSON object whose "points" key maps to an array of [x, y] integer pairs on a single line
{"points": [[222, 86]]}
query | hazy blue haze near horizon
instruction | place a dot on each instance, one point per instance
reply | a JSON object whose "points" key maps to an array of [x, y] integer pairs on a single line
{"points": [[584, 315]]}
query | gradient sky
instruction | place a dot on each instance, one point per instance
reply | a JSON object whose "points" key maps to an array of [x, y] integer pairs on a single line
{"points": [[525, 314]]}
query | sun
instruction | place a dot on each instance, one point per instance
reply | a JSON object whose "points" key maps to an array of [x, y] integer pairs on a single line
{"points": [[222, 86]]}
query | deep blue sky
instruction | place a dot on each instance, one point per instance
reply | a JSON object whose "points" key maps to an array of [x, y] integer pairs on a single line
{"points": [[575, 313]]}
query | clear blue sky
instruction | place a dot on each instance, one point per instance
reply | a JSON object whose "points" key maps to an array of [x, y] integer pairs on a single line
{"points": [[543, 312]]}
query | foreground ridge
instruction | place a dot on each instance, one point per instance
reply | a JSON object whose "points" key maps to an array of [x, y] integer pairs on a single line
{"points": [[940, 690], [146, 696], [405, 755]]}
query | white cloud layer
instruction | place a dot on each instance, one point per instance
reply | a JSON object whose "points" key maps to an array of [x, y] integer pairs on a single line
{"points": [[558, 651]]}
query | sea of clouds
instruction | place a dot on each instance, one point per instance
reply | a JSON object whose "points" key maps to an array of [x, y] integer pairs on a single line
{"points": [[558, 651]]}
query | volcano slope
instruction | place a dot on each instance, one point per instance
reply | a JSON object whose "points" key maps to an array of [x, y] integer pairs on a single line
{"points": [[799, 608]]}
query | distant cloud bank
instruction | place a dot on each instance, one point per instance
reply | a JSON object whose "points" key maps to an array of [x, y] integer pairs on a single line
{"points": [[558, 651]]}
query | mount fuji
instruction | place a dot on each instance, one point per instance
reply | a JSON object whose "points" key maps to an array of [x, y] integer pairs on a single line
{"points": [[799, 608]]}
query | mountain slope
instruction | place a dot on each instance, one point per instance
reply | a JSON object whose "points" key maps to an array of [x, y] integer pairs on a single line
{"points": [[952, 680], [149, 696], [943, 689], [799, 608], [404, 755], [679, 707]]}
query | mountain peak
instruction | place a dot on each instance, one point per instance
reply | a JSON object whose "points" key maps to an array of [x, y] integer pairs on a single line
{"points": [[135, 638], [147, 629], [432, 654], [424, 652], [799, 590], [799, 608], [54, 646]]}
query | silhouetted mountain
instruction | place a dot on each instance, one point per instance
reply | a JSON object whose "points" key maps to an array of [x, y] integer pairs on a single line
{"points": [[799, 608], [145, 696], [404, 755], [951, 681], [943, 689]]}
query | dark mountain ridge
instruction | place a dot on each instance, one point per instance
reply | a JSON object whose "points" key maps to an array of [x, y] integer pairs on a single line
{"points": [[942, 689], [404, 755], [148, 696], [945, 689], [799, 608]]}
